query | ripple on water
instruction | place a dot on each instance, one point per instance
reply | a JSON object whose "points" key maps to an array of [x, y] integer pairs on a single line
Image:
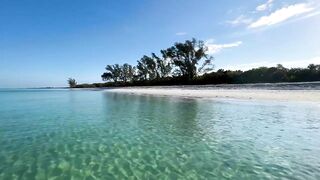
{"points": [[96, 135]]}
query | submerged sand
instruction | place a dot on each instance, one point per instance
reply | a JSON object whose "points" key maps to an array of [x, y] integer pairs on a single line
{"points": [[202, 92]]}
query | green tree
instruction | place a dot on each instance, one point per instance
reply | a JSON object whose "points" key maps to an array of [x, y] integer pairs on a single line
{"points": [[72, 83], [186, 56], [127, 72], [107, 76], [147, 68], [164, 66], [113, 72], [142, 70]]}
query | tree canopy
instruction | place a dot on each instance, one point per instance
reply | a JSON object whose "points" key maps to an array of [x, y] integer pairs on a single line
{"points": [[189, 63], [186, 56], [72, 82], [182, 59]]}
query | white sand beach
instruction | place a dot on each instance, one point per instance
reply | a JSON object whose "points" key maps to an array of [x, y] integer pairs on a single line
{"points": [[202, 92]]}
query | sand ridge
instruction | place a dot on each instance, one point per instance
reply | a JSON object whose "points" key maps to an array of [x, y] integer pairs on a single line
{"points": [[198, 92]]}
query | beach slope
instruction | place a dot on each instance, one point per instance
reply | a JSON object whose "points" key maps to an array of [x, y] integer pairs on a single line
{"points": [[205, 92]]}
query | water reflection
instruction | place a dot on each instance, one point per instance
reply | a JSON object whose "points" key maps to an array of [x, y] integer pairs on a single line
{"points": [[178, 117]]}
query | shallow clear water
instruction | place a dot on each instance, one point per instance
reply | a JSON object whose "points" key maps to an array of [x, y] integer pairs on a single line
{"points": [[65, 134]]}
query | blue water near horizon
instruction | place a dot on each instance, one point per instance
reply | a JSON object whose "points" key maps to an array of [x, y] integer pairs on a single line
{"points": [[82, 134]]}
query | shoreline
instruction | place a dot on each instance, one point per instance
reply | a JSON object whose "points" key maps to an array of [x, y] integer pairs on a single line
{"points": [[223, 93]]}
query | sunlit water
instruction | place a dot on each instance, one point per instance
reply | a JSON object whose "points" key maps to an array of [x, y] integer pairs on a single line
{"points": [[65, 134]]}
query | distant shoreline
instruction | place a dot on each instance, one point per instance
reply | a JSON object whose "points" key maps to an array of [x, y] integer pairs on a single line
{"points": [[297, 91]]}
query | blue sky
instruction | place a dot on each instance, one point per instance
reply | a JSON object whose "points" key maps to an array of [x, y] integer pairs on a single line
{"points": [[42, 42]]}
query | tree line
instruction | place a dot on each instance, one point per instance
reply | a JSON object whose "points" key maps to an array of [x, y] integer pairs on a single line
{"points": [[180, 60], [189, 63]]}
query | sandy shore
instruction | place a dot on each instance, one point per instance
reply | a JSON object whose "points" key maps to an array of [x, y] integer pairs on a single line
{"points": [[250, 94]]}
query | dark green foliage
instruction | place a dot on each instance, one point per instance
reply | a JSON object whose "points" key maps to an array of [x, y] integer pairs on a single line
{"points": [[113, 72], [147, 68], [257, 75], [281, 74], [117, 73], [72, 82], [127, 72], [186, 57], [180, 60], [179, 65], [107, 76]]}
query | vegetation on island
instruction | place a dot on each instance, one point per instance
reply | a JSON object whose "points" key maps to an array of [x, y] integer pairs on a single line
{"points": [[72, 83], [188, 63]]}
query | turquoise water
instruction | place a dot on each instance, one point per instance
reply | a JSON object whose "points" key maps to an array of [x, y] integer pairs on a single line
{"points": [[65, 134]]}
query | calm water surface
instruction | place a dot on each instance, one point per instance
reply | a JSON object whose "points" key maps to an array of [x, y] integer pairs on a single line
{"points": [[65, 134]]}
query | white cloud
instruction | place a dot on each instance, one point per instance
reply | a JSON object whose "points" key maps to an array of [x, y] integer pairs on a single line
{"points": [[265, 6], [281, 15], [181, 33], [240, 20], [288, 64], [216, 48]]}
